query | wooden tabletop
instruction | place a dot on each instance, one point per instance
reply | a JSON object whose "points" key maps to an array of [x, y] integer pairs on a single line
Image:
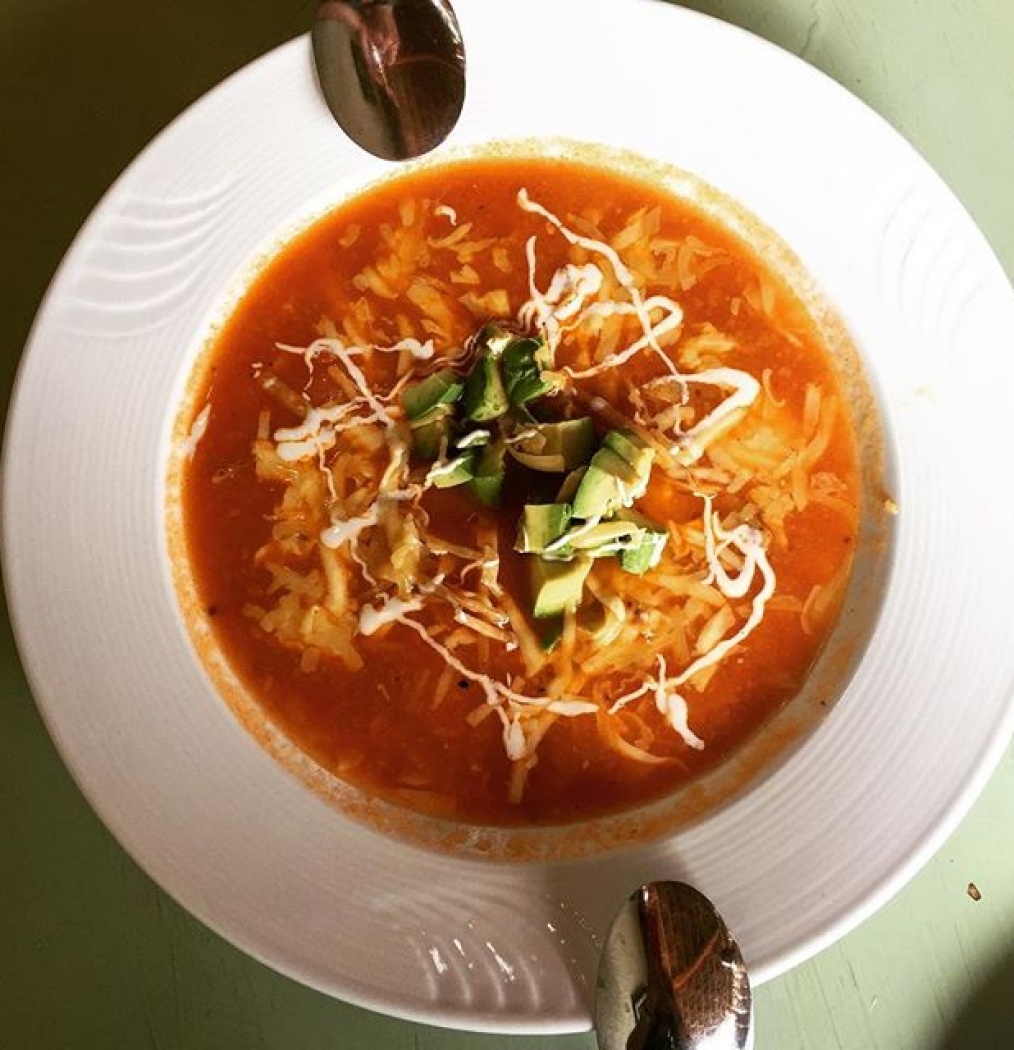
{"points": [[93, 956]]}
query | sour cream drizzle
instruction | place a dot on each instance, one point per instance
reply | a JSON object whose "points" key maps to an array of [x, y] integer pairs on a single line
{"points": [[568, 300], [576, 282]]}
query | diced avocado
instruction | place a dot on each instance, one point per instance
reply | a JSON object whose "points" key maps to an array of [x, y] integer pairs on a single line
{"points": [[485, 397], [557, 586], [557, 446], [431, 431], [522, 371], [569, 487], [540, 524], [597, 493], [573, 438], [648, 552], [527, 386], [612, 535], [628, 446], [519, 353], [549, 464], [624, 443], [441, 388], [455, 471], [489, 475], [613, 463], [609, 480], [487, 488]]}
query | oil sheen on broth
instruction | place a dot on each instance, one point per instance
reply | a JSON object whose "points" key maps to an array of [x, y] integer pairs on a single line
{"points": [[520, 491]]}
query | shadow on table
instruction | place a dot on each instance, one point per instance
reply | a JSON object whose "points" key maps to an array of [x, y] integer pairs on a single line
{"points": [[986, 1021], [815, 32], [83, 87], [784, 24]]}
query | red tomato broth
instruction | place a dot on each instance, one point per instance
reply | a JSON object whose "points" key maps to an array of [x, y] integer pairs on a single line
{"points": [[376, 727]]}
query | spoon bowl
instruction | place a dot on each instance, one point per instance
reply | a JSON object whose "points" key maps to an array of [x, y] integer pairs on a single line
{"points": [[671, 976], [391, 71]]}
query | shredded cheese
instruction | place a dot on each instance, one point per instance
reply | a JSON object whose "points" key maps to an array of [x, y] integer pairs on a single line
{"points": [[375, 524]]}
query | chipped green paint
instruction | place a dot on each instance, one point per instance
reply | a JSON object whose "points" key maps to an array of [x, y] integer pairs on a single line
{"points": [[92, 955]]}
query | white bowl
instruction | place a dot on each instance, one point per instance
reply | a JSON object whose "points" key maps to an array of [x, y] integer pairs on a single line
{"points": [[809, 851]]}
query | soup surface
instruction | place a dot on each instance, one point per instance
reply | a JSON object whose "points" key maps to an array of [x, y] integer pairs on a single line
{"points": [[519, 491]]}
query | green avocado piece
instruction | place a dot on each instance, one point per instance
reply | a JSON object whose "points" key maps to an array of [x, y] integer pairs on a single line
{"points": [[647, 554], [624, 443], [569, 487], [597, 494], [525, 386], [540, 524], [598, 499], [519, 353], [456, 471], [629, 446], [553, 463], [557, 586], [486, 489], [613, 463], [441, 388], [611, 535], [573, 438], [522, 371], [557, 446], [431, 431], [489, 475], [485, 397]]}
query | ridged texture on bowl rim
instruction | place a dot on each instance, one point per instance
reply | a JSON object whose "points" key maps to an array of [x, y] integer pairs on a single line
{"points": [[216, 821]]}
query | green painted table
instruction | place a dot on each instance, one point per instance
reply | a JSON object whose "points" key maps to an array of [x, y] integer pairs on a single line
{"points": [[92, 955]]}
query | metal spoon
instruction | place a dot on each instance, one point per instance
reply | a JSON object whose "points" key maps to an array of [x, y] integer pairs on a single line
{"points": [[391, 71], [672, 976]]}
